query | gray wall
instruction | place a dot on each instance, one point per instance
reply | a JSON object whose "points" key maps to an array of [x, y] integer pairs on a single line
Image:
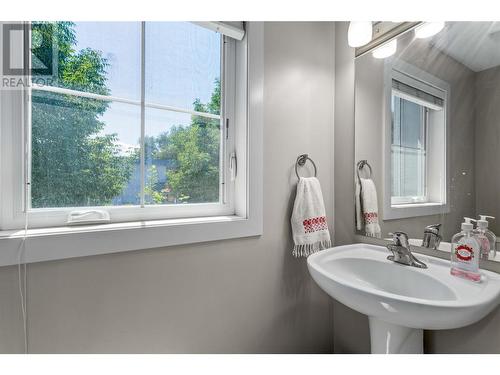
{"points": [[351, 328], [487, 139], [246, 295]]}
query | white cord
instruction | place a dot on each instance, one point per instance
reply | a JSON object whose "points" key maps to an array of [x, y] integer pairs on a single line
{"points": [[22, 277]]}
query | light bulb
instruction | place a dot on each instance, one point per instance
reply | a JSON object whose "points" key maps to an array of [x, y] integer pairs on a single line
{"points": [[359, 33], [386, 50], [428, 29]]}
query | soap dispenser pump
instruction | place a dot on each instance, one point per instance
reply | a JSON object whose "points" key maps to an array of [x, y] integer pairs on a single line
{"points": [[488, 248], [465, 251]]}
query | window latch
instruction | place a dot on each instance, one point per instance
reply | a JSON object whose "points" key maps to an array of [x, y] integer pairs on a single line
{"points": [[233, 166]]}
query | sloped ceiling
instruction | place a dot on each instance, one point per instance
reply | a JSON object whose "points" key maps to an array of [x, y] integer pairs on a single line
{"points": [[474, 44]]}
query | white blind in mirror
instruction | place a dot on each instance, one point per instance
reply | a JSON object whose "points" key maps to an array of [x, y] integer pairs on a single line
{"points": [[416, 95], [235, 30]]}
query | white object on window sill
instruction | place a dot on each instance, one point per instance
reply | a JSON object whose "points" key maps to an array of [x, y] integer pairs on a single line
{"points": [[85, 217]]}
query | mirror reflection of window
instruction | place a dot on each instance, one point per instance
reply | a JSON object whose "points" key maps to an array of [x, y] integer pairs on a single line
{"points": [[409, 127], [417, 118]]}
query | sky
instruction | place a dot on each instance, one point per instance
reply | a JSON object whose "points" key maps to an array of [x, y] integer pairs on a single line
{"points": [[182, 63]]}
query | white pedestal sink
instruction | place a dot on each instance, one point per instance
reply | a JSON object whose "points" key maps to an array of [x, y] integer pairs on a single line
{"points": [[401, 301]]}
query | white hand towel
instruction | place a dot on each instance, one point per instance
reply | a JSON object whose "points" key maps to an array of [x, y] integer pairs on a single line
{"points": [[357, 204], [369, 207], [309, 225]]}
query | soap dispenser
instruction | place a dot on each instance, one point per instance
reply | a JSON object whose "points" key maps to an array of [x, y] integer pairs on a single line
{"points": [[465, 251], [488, 248]]}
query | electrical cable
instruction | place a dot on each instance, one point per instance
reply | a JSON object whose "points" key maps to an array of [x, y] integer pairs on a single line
{"points": [[22, 276], [22, 271], [21, 261]]}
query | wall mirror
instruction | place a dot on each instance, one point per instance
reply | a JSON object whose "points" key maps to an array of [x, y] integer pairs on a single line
{"points": [[427, 132]]}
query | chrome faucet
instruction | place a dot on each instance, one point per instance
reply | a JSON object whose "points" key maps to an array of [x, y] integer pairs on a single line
{"points": [[401, 252], [432, 239]]}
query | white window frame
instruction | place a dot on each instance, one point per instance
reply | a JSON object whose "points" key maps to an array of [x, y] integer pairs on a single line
{"points": [[412, 75], [152, 227], [395, 201], [57, 216]]}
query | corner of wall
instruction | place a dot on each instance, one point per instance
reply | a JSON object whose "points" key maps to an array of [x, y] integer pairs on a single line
{"points": [[343, 137], [350, 328]]}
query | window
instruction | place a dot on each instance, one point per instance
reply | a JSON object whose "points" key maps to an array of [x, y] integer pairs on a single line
{"points": [[138, 119], [146, 121], [131, 118], [408, 150], [416, 162]]}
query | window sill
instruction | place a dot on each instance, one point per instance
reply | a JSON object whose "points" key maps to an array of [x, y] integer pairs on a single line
{"points": [[401, 211], [414, 205], [44, 244]]}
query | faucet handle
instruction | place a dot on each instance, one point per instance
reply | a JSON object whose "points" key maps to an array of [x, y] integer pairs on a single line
{"points": [[433, 228], [400, 238]]}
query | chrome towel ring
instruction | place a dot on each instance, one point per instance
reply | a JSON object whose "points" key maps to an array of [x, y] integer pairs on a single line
{"points": [[301, 161], [361, 165]]}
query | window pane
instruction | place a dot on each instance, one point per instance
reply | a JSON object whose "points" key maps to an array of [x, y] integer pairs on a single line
{"points": [[183, 65], [408, 149], [182, 158], [411, 125], [408, 172], [84, 152], [97, 57]]}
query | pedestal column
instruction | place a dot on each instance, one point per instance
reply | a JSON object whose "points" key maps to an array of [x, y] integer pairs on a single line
{"points": [[387, 338]]}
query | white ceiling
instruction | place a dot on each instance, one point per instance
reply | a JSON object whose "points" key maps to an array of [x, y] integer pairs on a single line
{"points": [[474, 44]]}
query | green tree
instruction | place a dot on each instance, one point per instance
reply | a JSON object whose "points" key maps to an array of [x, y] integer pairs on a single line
{"points": [[193, 152], [73, 162], [151, 186]]}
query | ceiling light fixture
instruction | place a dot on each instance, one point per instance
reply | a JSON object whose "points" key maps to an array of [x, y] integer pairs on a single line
{"points": [[428, 29], [359, 33], [386, 50]]}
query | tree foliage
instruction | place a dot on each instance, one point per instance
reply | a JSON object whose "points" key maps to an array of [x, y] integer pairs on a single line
{"points": [[193, 152], [73, 163]]}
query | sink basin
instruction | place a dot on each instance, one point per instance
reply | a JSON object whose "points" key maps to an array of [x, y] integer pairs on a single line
{"points": [[400, 300]]}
